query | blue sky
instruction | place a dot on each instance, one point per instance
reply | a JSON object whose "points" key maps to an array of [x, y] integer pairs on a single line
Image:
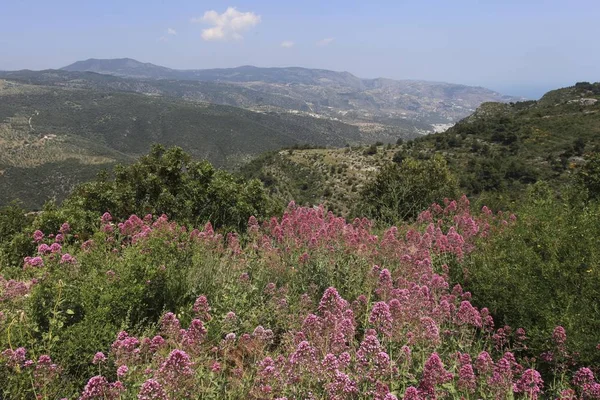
{"points": [[520, 47]]}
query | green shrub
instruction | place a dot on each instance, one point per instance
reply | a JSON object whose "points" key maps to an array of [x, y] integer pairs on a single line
{"points": [[544, 271], [400, 192], [169, 182]]}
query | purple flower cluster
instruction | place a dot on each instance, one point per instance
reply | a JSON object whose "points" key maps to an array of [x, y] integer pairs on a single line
{"points": [[407, 326]]}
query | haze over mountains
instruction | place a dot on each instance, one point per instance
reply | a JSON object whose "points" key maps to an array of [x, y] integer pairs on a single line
{"points": [[322, 92]]}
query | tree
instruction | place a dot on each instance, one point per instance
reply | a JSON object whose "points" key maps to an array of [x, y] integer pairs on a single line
{"points": [[401, 191], [589, 175], [167, 181]]}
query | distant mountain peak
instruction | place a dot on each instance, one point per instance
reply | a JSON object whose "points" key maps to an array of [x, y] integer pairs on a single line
{"points": [[125, 67]]}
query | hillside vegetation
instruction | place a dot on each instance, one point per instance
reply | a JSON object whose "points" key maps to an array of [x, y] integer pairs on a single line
{"points": [[302, 305], [45, 131], [410, 107], [61, 127], [495, 153]]}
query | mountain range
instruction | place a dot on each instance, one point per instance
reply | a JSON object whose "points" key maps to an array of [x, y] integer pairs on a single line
{"points": [[327, 93], [60, 127]]}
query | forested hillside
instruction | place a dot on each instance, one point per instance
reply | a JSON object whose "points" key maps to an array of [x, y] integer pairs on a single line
{"points": [[53, 138], [495, 153]]}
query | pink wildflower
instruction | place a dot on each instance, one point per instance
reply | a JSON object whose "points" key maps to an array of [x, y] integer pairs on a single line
{"points": [[531, 384], [156, 343], [434, 374], [559, 336], [411, 393], [303, 356], [43, 248], [152, 390], [342, 387], [467, 314], [430, 330], [267, 369], [45, 372], [99, 388], [33, 262], [122, 371], [215, 366], [230, 317], [38, 235], [381, 318], [466, 379], [65, 228], [230, 337], [170, 326], [584, 376], [175, 371], [202, 309], [484, 363], [106, 218], [568, 394], [194, 334], [332, 301], [99, 357], [15, 357], [67, 259]]}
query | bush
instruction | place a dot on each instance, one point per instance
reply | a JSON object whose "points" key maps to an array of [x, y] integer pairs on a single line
{"points": [[543, 271], [589, 175], [168, 182], [399, 192]]}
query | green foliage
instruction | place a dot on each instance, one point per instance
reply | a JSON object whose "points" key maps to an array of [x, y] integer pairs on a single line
{"points": [[589, 175], [299, 183], [399, 156], [495, 154], [400, 192], [12, 221], [544, 270], [53, 138], [169, 182], [163, 182]]}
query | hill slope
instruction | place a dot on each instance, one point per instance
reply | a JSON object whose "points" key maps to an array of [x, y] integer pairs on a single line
{"points": [[500, 149], [257, 97], [44, 124]]}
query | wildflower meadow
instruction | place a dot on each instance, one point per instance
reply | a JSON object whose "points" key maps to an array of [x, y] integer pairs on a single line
{"points": [[306, 306]]}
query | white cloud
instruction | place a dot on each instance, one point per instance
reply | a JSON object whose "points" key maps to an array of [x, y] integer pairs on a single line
{"points": [[324, 42], [169, 32], [228, 25], [287, 44]]}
